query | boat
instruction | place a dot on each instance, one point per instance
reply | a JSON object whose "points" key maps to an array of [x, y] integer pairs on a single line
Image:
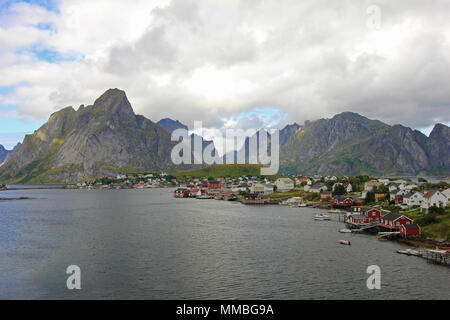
{"points": [[346, 242], [321, 217], [334, 211], [292, 202], [345, 231], [204, 197], [302, 205], [409, 252], [230, 197]]}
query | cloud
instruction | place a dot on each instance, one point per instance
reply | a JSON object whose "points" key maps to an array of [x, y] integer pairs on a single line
{"points": [[215, 60]]}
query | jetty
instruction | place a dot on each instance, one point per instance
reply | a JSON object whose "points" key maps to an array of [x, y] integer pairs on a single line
{"points": [[437, 256]]}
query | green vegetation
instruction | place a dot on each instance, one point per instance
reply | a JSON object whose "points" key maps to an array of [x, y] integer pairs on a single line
{"points": [[284, 195], [223, 170], [435, 224]]}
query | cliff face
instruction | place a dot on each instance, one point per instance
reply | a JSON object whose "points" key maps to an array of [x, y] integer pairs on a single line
{"points": [[352, 144], [93, 141], [438, 147]]}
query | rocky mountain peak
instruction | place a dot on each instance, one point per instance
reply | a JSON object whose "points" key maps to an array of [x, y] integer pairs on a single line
{"points": [[440, 130], [114, 101]]}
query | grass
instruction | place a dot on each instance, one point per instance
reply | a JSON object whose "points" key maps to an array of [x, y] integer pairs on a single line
{"points": [[284, 195], [223, 170], [438, 230]]}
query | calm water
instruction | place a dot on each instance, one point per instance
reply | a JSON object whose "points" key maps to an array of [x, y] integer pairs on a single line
{"points": [[145, 244]]}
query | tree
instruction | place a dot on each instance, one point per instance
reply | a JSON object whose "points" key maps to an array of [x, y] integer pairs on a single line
{"points": [[339, 190], [370, 197]]}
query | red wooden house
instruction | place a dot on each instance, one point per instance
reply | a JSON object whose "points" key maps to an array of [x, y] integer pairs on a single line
{"points": [[398, 199], [252, 196], [214, 185], [372, 213], [343, 201], [394, 221], [410, 229], [359, 219]]}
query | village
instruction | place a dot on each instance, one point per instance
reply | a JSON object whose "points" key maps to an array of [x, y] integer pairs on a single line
{"points": [[386, 208]]}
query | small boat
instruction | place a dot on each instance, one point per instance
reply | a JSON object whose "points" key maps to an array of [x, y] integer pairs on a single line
{"points": [[334, 211], [345, 231], [230, 197], [321, 217], [346, 242], [204, 197], [302, 205], [409, 252]]}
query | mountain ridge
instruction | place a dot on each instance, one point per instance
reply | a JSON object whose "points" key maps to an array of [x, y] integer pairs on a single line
{"points": [[108, 137]]}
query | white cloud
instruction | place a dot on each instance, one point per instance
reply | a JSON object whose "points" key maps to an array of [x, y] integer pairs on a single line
{"points": [[212, 60]]}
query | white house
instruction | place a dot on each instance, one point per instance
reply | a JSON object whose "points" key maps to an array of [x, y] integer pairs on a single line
{"points": [[412, 199], [446, 193], [368, 186], [284, 184], [434, 198], [411, 186], [261, 188], [393, 187], [347, 186]]}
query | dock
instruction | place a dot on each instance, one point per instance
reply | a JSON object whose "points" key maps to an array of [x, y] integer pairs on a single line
{"points": [[381, 235], [437, 256]]}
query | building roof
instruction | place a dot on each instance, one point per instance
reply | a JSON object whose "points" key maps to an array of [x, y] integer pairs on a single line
{"points": [[358, 216], [366, 209], [430, 193], [285, 180], [251, 195], [408, 195], [391, 216]]}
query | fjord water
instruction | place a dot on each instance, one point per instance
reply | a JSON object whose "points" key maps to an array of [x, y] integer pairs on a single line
{"points": [[145, 244]]}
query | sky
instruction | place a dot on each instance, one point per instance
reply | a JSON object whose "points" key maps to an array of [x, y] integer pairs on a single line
{"points": [[242, 64]]}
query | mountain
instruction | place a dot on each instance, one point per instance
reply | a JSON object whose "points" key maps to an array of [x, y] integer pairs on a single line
{"points": [[350, 144], [5, 154], [438, 147], [102, 139], [171, 125], [287, 132]]}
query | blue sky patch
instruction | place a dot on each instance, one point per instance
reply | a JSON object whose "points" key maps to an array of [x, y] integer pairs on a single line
{"points": [[51, 56], [50, 5]]}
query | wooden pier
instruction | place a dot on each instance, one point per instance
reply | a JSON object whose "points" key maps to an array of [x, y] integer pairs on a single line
{"points": [[437, 256]]}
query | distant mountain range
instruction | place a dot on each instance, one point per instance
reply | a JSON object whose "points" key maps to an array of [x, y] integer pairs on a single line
{"points": [[350, 144], [109, 138], [4, 154], [171, 125]]}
